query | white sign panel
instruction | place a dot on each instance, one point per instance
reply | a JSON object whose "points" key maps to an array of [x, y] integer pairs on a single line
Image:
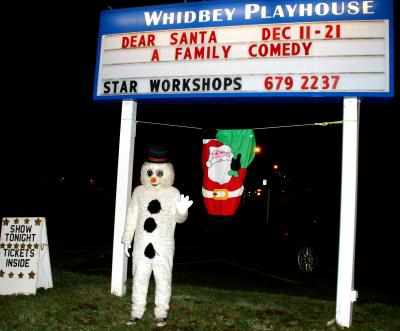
{"points": [[24, 256], [328, 57]]}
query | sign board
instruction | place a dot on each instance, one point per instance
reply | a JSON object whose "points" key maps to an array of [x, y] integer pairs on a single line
{"points": [[24, 255], [246, 49]]}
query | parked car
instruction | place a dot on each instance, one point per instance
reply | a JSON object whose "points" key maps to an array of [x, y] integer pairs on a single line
{"points": [[291, 223]]}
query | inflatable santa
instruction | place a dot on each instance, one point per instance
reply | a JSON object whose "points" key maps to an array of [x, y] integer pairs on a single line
{"points": [[225, 161], [155, 208]]}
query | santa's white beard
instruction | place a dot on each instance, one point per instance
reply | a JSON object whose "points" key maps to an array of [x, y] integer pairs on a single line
{"points": [[219, 172]]}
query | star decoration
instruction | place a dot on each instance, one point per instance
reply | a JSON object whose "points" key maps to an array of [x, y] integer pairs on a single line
{"points": [[20, 275], [22, 246], [11, 275], [2, 245], [36, 246], [37, 221], [1, 273], [16, 246], [16, 221], [6, 221], [31, 275], [9, 245], [29, 246], [26, 220]]}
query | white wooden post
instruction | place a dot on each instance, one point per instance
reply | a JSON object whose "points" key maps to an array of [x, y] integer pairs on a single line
{"points": [[346, 294], [123, 195]]}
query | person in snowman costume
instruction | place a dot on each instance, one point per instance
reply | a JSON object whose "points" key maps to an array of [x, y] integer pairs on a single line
{"points": [[155, 208]]}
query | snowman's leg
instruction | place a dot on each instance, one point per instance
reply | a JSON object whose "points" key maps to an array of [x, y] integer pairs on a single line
{"points": [[141, 277], [162, 269]]}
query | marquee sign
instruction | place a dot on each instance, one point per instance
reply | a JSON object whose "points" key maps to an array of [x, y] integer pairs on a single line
{"points": [[246, 49]]}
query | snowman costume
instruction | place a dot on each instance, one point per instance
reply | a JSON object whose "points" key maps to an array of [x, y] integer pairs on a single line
{"points": [[155, 208]]}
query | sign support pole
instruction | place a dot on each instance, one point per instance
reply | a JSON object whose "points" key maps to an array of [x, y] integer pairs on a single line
{"points": [[123, 195], [346, 294]]}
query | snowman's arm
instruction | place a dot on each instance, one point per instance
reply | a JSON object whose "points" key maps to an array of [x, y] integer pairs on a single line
{"points": [[131, 219]]}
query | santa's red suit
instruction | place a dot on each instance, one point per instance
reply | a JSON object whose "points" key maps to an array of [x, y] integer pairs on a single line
{"points": [[221, 191]]}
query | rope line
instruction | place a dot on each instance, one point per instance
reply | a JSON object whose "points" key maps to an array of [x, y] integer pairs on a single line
{"points": [[260, 128], [173, 125]]}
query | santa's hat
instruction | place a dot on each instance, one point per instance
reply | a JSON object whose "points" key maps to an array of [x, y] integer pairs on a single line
{"points": [[157, 154]]}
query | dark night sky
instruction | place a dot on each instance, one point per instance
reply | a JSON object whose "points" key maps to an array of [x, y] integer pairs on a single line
{"points": [[51, 127]]}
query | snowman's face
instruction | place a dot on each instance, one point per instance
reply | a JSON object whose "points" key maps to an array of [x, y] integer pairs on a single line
{"points": [[157, 175]]}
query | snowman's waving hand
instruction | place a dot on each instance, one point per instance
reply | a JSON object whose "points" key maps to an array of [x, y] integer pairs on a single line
{"points": [[183, 204]]}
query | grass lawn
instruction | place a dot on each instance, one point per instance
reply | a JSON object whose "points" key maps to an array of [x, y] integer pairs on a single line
{"points": [[83, 302]]}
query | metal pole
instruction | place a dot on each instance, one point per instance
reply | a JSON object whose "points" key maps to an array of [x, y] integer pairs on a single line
{"points": [[123, 195], [346, 294]]}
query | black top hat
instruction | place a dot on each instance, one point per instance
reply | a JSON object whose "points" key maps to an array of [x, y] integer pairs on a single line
{"points": [[157, 154]]}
